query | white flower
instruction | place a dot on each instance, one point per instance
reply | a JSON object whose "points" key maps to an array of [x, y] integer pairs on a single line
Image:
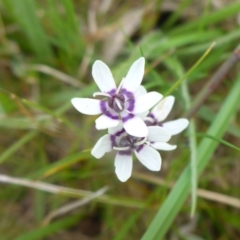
{"points": [[159, 114], [143, 147], [122, 104]]}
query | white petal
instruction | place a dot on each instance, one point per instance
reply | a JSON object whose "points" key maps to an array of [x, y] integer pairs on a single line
{"points": [[135, 75], [176, 126], [116, 129], [87, 105], [102, 146], [135, 126], [163, 146], [163, 108], [103, 76], [143, 115], [150, 158], [123, 166], [141, 90], [158, 134], [104, 122], [146, 101]]}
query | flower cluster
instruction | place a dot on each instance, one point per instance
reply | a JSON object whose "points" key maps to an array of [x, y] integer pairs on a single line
{"points": [[125, 113]]}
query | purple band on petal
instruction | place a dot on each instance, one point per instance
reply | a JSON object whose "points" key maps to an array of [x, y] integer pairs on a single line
{"points": [[103, 106], [104, 109], [119, 133], [128, 117], [139, 148], [112, 92], [149, 123], [125, 152], [131, 103], [129, 99], [110, 115], [113, 141]]}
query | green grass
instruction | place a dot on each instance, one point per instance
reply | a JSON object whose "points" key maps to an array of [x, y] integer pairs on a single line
{"points": [[44, 139]]}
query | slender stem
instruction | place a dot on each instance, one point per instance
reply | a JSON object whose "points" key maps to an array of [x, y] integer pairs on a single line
{"points": [[193, 148], [121, 148], [175, 85], [101, 94], [119, 104], [141, 142]]}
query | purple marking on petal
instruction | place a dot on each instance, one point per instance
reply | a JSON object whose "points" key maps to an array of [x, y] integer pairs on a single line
{"points": [[127, 93], [103, 106], [119, 133], [112, 92], [113, 141], [128, 117], [104, 109], [151, 115], [131, 105], [139, 148], [129, 97], [110, 115], [125, 152], [149, 123]]}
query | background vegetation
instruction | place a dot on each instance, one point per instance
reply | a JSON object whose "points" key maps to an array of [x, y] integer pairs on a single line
{"points": [[46, 52]]}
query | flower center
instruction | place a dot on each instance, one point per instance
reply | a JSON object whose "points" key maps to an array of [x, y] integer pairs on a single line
{"points": [[131, 142], [150, 120], [116, 102]]}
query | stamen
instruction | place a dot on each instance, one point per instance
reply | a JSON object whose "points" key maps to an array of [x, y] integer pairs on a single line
{"points": [[149, 119], [118, 103], [141, 142], [148, 143], [121, 148], [101, 94], [120, 85]]}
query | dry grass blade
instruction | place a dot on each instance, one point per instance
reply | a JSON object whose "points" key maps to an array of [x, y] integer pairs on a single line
{"points": [[73, 205], [56, 74], [206, 194], [47, 187]]}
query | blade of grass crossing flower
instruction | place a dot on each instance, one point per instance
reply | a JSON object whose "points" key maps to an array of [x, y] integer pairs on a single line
{"points": [[172, 205], [176, 84]]}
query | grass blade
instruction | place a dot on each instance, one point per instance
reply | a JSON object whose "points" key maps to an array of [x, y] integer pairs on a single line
{"points": [[17, 145], [179, 193], [25, 14]]}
